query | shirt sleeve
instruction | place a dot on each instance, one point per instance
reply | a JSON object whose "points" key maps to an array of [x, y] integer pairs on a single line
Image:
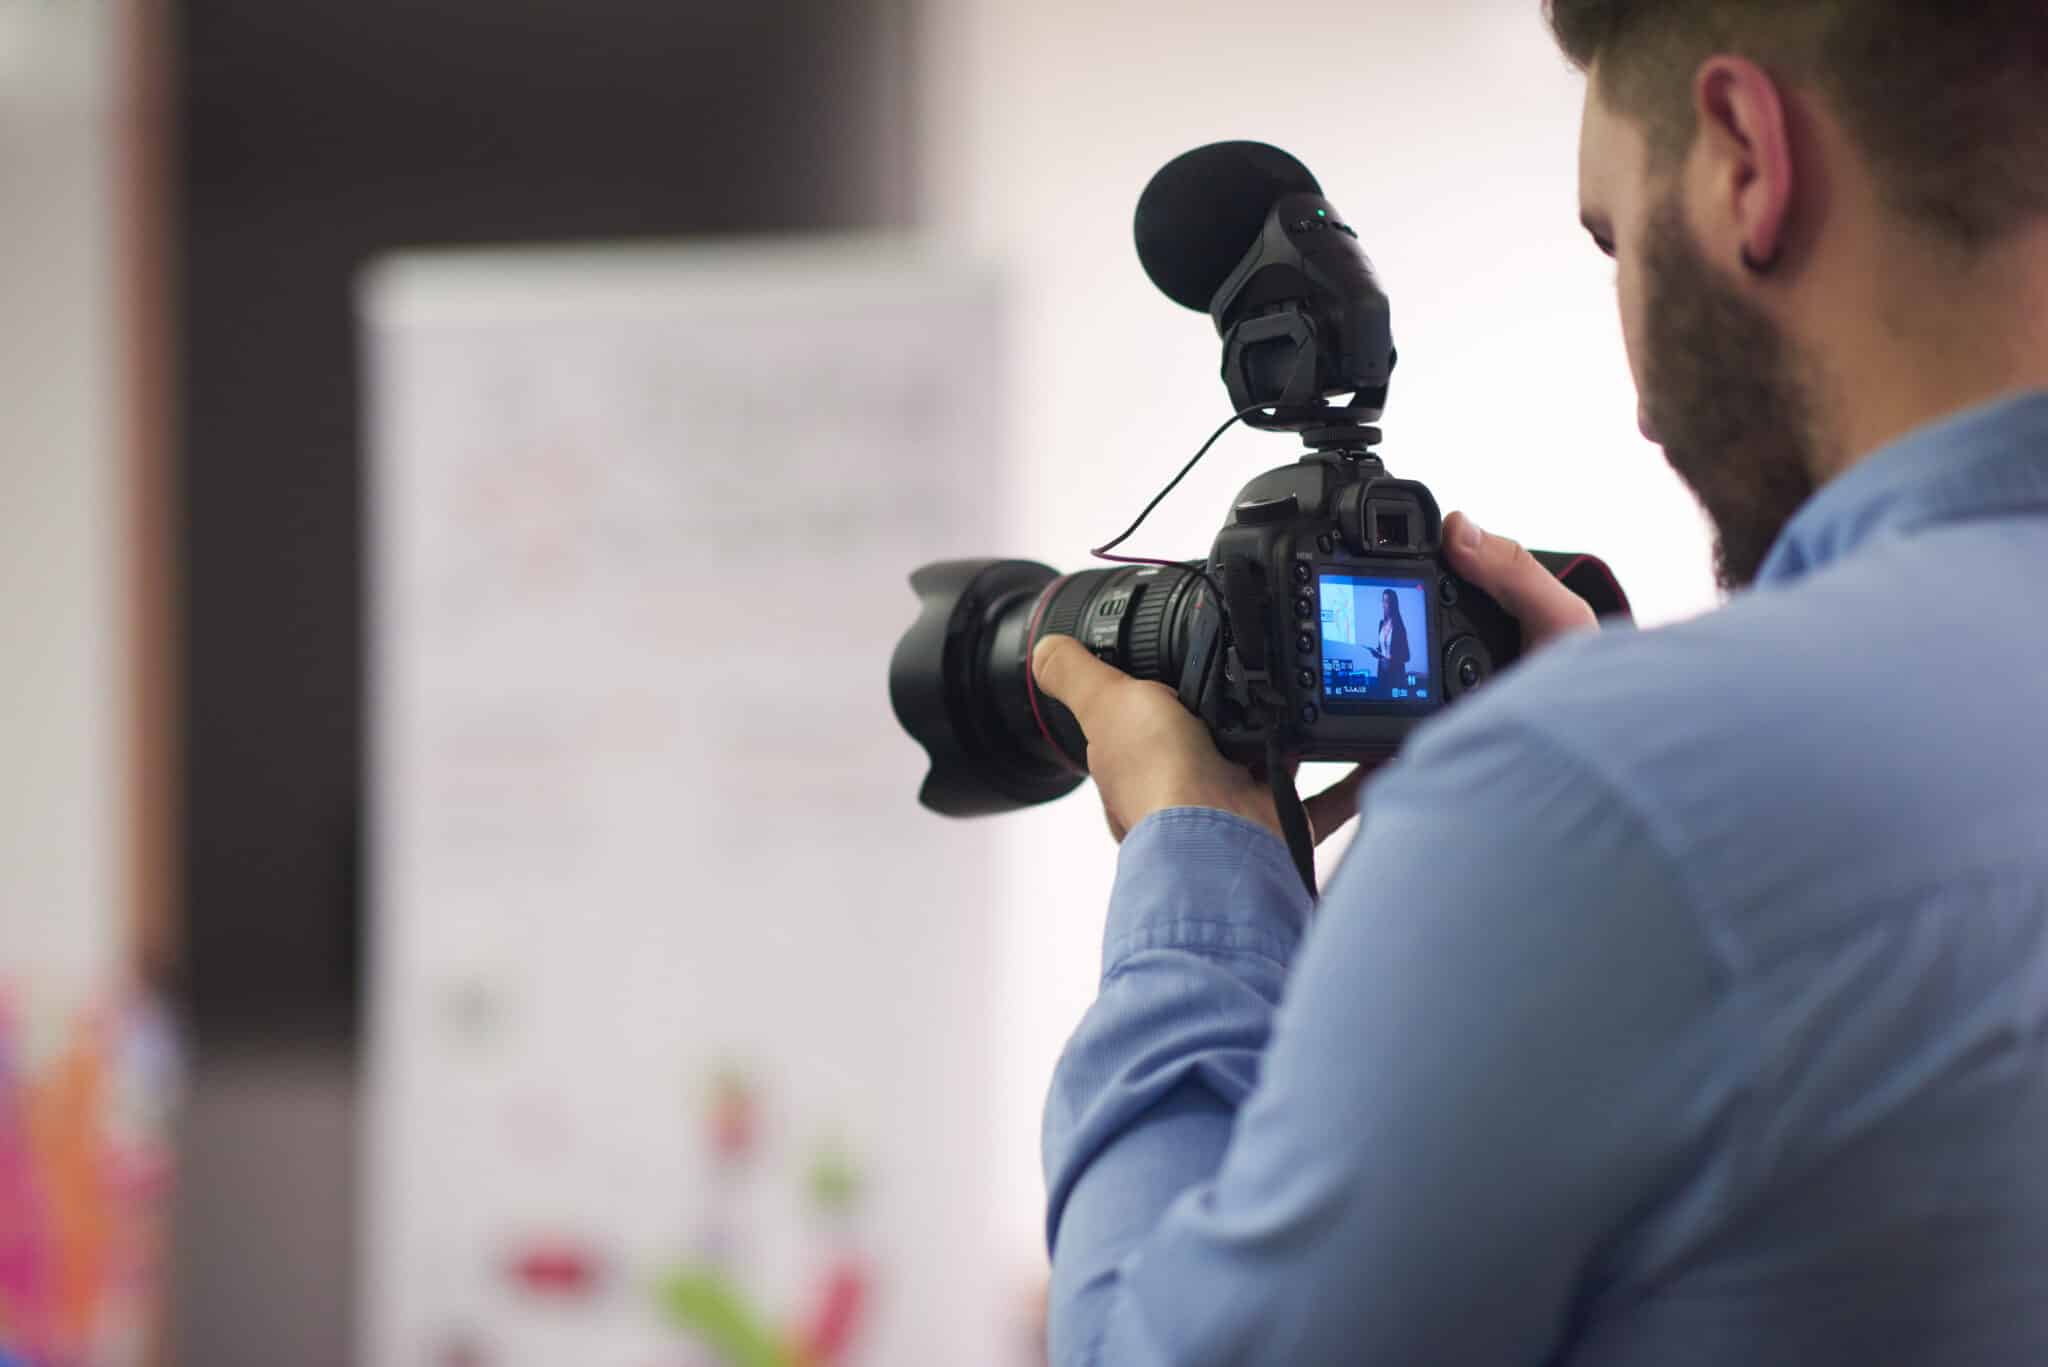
{"points": [[1504, 1032]]}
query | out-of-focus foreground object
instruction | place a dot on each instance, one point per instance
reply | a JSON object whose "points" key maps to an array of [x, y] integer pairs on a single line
{"points": [[313, 138], [88, 1060], [680, 1021]]}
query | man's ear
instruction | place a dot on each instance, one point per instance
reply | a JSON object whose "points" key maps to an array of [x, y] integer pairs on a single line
{"points": [[1748, 163]]}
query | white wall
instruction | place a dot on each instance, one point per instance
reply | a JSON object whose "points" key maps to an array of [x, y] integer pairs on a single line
{"points": [[1447, 132], [60, 512]]}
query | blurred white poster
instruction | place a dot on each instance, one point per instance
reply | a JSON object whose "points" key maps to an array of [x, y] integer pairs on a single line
{"points": [[680, 1004]]}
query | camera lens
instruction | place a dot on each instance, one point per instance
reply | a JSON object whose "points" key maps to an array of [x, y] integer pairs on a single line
{"points": [[960, 678]]}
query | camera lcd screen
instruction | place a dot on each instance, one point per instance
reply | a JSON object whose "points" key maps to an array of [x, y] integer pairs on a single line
{"points": [[1376, 646]]}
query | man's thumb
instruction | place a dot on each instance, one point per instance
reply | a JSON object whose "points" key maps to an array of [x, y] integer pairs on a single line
{"points": [[1065, 670], [1516, 579]]}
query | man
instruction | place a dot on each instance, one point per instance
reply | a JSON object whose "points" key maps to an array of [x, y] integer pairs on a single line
{"points": [[1669, 1009]]}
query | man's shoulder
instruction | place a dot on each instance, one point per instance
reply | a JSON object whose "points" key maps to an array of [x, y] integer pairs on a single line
{"points": [[1829, 741], [1891, 641], [1619, 700]]}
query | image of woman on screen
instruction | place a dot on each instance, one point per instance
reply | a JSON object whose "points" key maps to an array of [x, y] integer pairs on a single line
{"points": [[1392, 651]]}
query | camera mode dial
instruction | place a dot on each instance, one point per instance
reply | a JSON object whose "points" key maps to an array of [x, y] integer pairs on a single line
{"points": [[1259, 512]]}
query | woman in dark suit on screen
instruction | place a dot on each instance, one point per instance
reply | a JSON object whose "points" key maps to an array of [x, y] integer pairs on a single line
{"points": [[1392, 651]]}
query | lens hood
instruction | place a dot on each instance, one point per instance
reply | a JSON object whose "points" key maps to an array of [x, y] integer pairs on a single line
{"points": [[953, 693]]}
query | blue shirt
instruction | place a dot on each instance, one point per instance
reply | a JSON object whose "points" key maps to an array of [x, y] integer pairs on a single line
{"points": [[1682, 1000]]}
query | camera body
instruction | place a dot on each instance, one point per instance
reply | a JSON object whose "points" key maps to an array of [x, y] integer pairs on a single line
{"points": [[1325, 618], [1342, 624]]}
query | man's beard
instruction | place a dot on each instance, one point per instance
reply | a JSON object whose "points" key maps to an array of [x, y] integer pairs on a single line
{"points": [[1723, 390]]}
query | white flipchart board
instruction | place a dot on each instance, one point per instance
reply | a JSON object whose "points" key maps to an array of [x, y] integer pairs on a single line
{"points": [[641, 524]]}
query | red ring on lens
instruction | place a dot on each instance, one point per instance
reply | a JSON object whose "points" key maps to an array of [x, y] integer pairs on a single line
{"points": [[1031, 674]]}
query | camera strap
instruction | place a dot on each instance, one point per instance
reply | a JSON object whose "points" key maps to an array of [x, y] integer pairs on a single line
{"points": [[1301, 841]]}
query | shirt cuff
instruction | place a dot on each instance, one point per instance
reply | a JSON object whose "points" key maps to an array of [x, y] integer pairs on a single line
{"points": [[1207, 881]]}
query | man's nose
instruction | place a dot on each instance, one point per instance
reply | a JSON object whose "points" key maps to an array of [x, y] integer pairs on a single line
{"points": [[1643, 422]]}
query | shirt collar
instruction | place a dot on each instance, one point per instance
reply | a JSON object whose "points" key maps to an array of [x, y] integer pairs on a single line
{"points": [[1981, 462]]}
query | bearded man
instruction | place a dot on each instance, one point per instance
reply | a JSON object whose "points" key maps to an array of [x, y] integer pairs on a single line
{"points": [[1667, 1009]]}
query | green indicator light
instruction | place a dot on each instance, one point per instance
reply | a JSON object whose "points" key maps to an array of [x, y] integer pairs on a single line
{"points": [[1322, 213]]}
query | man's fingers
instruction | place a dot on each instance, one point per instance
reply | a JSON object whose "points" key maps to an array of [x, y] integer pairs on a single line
{"points": [[1544, 606], [1065, 669], [1336, 804]]}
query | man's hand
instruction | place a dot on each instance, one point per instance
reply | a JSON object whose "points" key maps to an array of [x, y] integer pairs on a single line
{"points": [[1148, 753], [1517, 581]]}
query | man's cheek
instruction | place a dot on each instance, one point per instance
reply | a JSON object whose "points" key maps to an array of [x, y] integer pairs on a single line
{"points": [[1632, 330]]}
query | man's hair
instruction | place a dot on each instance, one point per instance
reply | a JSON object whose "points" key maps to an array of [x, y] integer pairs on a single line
{"points": [[1947, 98]]}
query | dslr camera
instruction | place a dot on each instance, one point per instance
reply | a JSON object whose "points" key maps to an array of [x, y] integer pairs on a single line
{"points": [[1324, 623]]}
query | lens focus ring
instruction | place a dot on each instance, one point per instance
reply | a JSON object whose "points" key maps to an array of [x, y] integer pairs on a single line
{"points": [[1148, 630], [1069, 601]]}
